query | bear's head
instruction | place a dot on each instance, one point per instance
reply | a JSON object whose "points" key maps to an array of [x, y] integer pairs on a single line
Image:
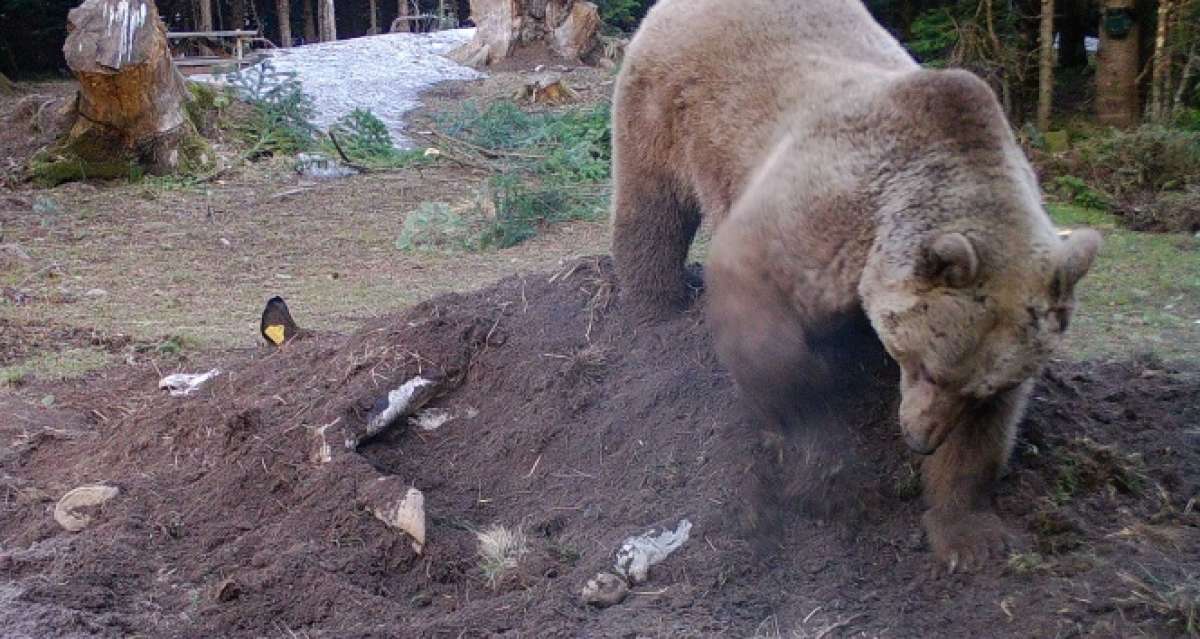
{"points": [[971, 319], [968, 284]]}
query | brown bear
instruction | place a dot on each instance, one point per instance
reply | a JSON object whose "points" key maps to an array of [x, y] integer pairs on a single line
{"points": [[842, 179]]}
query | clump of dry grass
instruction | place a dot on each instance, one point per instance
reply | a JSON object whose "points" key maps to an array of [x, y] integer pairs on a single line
{"points": [[500, 551], [588, 363], [1177, 601], [1163, 536], [1024, 563]]}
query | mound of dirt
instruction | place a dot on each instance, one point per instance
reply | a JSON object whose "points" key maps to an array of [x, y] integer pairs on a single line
{"points": [[578, 428]]}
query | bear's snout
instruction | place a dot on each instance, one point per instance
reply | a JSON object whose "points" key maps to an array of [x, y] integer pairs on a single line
{"points": [[924, 437], [927, 415], [918, 444]]}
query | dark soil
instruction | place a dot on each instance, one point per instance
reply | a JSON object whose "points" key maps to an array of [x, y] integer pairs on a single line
{"points": [[29, 122], [581, 429], [20, 340]]}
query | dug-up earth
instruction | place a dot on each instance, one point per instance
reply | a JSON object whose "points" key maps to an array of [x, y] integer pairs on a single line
{"points": [[577, 428]]}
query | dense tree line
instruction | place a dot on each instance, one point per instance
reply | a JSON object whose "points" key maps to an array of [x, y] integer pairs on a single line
{"points": [[1001, 41]]}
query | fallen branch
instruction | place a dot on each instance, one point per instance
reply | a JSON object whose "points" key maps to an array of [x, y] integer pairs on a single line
{"points": [[486, 152], [346, 159]]}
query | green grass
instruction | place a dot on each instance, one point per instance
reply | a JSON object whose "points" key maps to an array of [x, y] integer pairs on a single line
{"points": [[59, 365], [548, 167], [1070, 215], [365, 140], [1142, 294]]}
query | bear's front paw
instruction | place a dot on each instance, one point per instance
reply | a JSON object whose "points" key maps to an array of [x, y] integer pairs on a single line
{"points": [[966, 539]]}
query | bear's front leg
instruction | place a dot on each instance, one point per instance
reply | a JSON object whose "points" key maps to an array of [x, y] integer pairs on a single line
{"points": [[961, 525]]}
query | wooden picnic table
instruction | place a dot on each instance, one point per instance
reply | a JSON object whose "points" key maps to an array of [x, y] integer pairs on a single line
{"points": [[240, 38]]}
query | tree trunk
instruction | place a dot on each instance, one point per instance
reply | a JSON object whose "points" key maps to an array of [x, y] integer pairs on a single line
{"points": [[1185, 78], [1162, 63], [237, 14], [283, 12], [374, 8], [1046, 66], [310, 22], [206, 15], [400, 25], [326, 21], [568, 28], [1116, 72], [131, 98]]}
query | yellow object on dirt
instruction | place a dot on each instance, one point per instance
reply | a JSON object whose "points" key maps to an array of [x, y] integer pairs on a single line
{"points": [[274, 333], [277, 326]]}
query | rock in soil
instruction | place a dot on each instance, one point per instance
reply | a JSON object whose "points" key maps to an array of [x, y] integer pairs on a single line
{"points": [[604, 590], [70, 512]]}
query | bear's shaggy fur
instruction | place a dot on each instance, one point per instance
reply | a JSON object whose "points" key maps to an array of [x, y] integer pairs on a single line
{"points": [[841, 179]]}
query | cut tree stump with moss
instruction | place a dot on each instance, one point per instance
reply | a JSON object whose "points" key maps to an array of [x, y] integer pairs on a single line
{"points": [[131, 102]]}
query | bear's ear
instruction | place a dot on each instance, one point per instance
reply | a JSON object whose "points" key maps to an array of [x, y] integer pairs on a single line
{"points": [[949, 260], [1076, 255]]}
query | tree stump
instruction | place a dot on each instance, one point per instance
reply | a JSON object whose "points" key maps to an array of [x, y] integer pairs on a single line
{"points": [[569, 29], [546, 89], [130, 107]]}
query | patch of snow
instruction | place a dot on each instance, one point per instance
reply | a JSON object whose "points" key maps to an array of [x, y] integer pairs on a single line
{"points": [[383, 73]]}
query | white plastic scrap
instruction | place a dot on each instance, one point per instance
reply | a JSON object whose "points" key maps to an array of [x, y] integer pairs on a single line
{"points": [[397, 405], [408, 515], [184, 384], [637, 554], [432, 419], [322, 167]]}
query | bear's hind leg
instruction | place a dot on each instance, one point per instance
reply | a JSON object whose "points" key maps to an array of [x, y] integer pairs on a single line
{"points": [[653, 227], [961, 526]]}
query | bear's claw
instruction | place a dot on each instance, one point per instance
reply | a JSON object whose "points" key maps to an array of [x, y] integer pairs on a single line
{"points": [[966, 540]]}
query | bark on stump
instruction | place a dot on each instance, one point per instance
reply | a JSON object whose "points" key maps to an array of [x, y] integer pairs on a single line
{"points": [[570, 29], [130, 106]]}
